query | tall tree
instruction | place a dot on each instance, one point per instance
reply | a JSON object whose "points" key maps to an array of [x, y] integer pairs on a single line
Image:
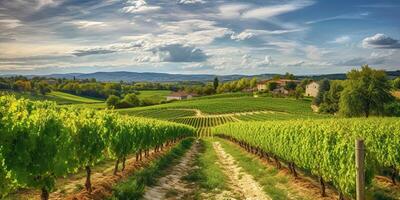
{"points": [[216, 83], [324, 86], [366, 92]]}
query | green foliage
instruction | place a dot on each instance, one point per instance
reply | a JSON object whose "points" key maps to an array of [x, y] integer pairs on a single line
{"points": [[289, 76], [365, 92], [41, 142], [132, 100], [272, 86], [290, 85], [324, 147], [392, 109], [324, 86], [330, 103], [112, 101], [216, 83], [34, 143], [299, 92], [396, 83]]}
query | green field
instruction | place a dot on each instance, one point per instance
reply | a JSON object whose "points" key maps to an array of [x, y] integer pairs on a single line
{"points": [[236, 104], [73, 98], [155, 95], [60, 98], [208, 112]]}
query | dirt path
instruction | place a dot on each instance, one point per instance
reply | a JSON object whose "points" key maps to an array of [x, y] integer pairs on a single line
{"points": [[172, 186], [242, 182]]}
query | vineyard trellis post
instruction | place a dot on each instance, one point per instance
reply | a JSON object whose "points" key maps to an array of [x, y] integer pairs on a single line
{"points": [[360, 178]]}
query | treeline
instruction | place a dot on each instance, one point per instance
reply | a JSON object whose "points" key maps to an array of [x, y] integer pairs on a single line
{"points": [[39, 86], [41, 142], [365, 92]]}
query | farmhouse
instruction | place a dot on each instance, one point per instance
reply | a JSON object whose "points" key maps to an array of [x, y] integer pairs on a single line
{"points": [[262, 85], [312, 89], [280, 85], [179, 96]]}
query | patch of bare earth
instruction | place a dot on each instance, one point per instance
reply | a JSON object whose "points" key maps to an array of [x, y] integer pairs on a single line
{"points": [[241, 182], [172, 186]]}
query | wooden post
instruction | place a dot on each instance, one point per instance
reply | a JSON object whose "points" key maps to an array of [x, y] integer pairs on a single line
{"points": [[360, 182]]}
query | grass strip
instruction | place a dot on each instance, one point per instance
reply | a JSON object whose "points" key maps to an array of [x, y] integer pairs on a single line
{"points": [[207, 174], [273, 183], [133, 188]]}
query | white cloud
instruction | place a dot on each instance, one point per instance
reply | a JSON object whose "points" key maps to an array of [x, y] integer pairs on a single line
{"points": [[341, 40], [242, 36], [47, 3], [341, 17], [83, 24], [268, 60], [186, 2], [264, 13], [232, 11], [380, 41], [139, 6], [312, 52], [174, 53], [10, 23]]}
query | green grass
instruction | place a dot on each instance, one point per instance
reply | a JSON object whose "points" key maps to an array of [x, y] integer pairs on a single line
{"points": [[237, 104], [60, 98], [133, 188], [273, 183], [154, 95], [72, 98], [208, 174]]}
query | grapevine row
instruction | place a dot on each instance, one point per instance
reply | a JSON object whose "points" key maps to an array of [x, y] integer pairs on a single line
{"points": [[40, 142], [324, 148]]}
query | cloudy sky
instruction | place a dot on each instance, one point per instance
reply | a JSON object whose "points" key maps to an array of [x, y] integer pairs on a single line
{"points": [[198, 36]]}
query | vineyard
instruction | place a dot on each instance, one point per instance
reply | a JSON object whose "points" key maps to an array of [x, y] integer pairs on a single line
{"points": [[163, 114], [324, 148], [203, 124], [235, 105], [41, 142], [207, 112]]}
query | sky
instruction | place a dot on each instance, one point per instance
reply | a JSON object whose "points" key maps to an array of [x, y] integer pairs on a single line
{"points": [[198, 36]]}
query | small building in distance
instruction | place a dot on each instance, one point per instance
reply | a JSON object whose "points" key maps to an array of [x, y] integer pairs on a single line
{"points": [[262, 85], [312, 89], [179, 96], [280, 85]]}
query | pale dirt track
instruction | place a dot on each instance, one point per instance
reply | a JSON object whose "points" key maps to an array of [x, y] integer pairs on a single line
{"points": [[242, 182], [172, 186]]}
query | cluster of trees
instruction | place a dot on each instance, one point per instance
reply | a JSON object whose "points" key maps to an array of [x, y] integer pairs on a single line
{"points": [[236, 86], [128, 101], [22, 84], [365, 92]]}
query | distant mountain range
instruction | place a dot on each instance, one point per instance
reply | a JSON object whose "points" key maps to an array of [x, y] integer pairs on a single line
{"points": [[165, 77]]}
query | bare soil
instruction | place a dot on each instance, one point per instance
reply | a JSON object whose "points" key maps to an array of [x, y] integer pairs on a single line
{"points": [[172, 186], [241, 182]]}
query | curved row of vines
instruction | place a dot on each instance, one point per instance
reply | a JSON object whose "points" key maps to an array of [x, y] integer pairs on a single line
{"points": [[204, 124], [41, 142], [324, 148]]}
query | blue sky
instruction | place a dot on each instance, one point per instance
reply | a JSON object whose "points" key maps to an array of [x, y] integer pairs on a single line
{"points": [[198, 36]]}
